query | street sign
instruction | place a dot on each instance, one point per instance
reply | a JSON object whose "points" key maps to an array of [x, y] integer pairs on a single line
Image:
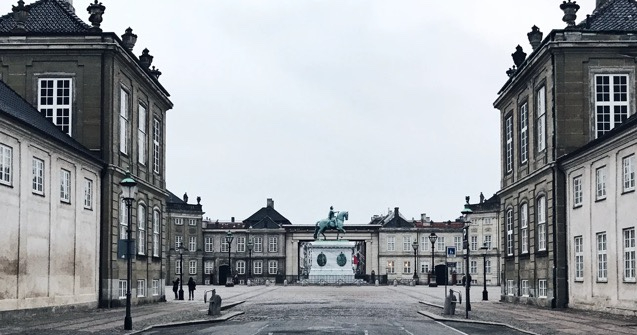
{"points": [[451, 251]]}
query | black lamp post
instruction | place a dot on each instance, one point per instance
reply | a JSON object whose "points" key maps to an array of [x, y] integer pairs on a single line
{"points": [[415, 246], [181, 271], [465, 243], [229, 239], [129, 190], [250, 259], [432, 276], [485, 293]]}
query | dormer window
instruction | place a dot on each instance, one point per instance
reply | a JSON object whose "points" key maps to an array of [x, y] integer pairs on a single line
{"points": [[611, 102]]}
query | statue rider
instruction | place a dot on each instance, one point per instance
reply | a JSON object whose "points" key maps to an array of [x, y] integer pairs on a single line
{"points": [[332, 217]]}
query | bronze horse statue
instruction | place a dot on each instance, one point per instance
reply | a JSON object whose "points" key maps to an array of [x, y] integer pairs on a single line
{"points": [[326, 224]]}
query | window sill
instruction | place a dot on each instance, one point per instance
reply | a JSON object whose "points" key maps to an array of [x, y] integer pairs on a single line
{"points": [[600, 199], [628, 191], [6, 185], [602, 281], [630, 281], [38, 194], [542, 253], [579, 280], [577, 206]]}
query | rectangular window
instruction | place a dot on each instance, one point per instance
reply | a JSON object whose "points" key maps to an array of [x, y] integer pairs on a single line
{"points": [[424, 267], [273, 267], [241, 267], [542, 289], [440, 244], [541, 223], [156, 224], [241, 244], [391, 267], [473, 267], [510, 287], [141, 135], [6, 158], [457, 241], [487, 241], [123, 121], [209, 247], [579, 258], [258, 244], [192, 222], [474, 242], [123, 220], [38, 176], [628, 164], [192, 243], [273, 244], [524, 133], [65, 186], [391, 243], [224, 244], [141, 229], [406, 267], [407, 243], [525, 288], [509, 224], [141, 287], [155, 287], [122, 289], [524, 228], [487, 266], [55, 102], [600, 181], [192, 267], [178, 221], [602, 258], [178, 241], [509, 143], [178, 267], [629, 254], [88, 193], [541, 119], [156, 145], [258, 267], [208, 266], [577, 191], [611, 102]]}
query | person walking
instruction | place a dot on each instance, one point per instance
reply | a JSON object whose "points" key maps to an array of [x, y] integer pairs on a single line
{"points": [[176, 287], [191, 289]]}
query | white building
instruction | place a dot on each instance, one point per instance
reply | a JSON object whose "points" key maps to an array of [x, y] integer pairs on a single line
{"points": [[50, 209], [601, 221]]}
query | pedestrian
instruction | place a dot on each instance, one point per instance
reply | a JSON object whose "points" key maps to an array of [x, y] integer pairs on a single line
{"points": [[176, 287], [191, 289]]}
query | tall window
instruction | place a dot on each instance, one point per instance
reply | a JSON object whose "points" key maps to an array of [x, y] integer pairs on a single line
{"points": [[525, 287], [509, 224], [524, 227], [273, 267], [258, 267], [602, 258], [440, 243], [141, 135], [474, 242], [391, 267], [123, 220], [541, 223], [241, 244], [178, 266], [577, 191], [541, 119], [192, 243], [510, 287], [579, 258], [258, 244], [6, 156], [123, 121], [524, 133], [406, 267], [141, 229], [600, 181], [424, 267], [156, 232], [628, 164], [457, 241], [224, 244], [122, 288], [273, 243], [55, 102], [391, 243], [208, 266], [508, 124], [473, 267], [629, 254], [487, 241], [241, 267], [65, 186], [141, 287], [179, 241], [38, 176], [406, 243], [208, 246], [611, 102], [542, 291], [156, 143], [192, 267], [88, 193], [155, 286], [487, 266]]}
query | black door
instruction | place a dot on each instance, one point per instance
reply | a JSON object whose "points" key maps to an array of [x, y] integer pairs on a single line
{"points": [[224, 272], [441, 274]]}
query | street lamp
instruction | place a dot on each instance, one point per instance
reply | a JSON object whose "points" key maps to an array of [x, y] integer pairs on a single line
{"points": [[229, 239], [415, 246], [250, 258], [181, 271], [485, 293], [432, 238], [128, 186], [465, 244]]}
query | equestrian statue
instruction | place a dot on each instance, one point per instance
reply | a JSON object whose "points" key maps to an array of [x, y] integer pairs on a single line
{"points": [[334, 221]]}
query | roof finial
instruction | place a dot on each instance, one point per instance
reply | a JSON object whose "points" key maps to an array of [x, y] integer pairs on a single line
{"points": [[570, 9], [96, 10], [20, 15]]}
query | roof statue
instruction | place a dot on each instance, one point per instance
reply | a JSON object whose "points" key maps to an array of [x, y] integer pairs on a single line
{"points": [[334, 221]]}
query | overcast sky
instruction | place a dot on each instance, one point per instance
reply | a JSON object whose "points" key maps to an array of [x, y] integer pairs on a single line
{"points": [[360, 104]]}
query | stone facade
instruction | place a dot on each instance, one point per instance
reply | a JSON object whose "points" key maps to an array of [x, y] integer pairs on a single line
{"points": [[184, 228]]}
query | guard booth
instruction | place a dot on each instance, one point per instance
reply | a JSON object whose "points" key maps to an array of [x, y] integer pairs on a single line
{"points": [[441, 274], [224, 272]]}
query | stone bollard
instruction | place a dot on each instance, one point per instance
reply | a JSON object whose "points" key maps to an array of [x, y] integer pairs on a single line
{"points": [[285, 282], [395, 282], [249, 282], [412, 283], [377, 282], [267, 282]]}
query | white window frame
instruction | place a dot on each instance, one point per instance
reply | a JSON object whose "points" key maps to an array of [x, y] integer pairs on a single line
{"points": [[600, 182], [391, 243], [192, 222], [258, 244], [602, 257], [241, 244], [541, 223], [241, 267], [178, 221], [258, 267], [156, 145], [457, 241], [141, 229], [524, 228], [273, 244], [88, 193], [6, 167], [57, 108], [406, 266], [178, 266], [141, 287], [541, 118], [407, 243], [155, 287], [511, 287], [440, 244], [65, 186], [123, 220], [141, 134], [628, 168], [473, 267], [156, 232], [179, 241], [123, 288], [424, 267], [579, 258], [524, 287], [192, 243], [524, 133], [474, 242], [487, 266], [124, 115], [488, 242], [273, 267], [542, 288], [208, 267], [509, 143], [209, 244], [37, 185], [192, 267], [629, 254], [617, 111], [392, 267], [509, 227], [224, 244], [578, 195]]}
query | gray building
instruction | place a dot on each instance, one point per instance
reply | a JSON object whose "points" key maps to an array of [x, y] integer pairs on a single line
{"points": [[184, 229]]}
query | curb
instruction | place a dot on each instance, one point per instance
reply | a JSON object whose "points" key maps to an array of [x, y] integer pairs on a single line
{"points": [[443, 319]]}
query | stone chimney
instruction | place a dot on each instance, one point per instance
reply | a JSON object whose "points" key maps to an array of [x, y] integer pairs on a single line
{"points": [[481, 197], [186, 197], [270, 203], [232, 219], [424, 218], [396, 212]]}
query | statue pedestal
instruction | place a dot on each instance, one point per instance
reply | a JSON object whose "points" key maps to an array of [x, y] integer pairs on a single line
{"points": [[331, 262]]}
